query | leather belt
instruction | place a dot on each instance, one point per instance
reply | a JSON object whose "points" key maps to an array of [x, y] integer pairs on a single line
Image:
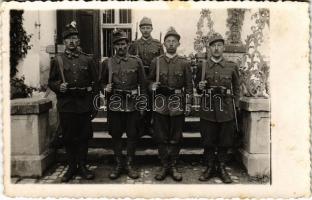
{"points": [[125, 92], [168, 91]]}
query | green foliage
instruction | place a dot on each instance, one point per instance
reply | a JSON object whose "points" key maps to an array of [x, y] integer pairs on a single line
{"points": [[19, 46], [19, 89]]}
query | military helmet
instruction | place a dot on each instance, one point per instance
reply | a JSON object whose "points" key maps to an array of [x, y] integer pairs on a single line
{"points": [[70, 29], [215, 37], [145, 21], [172, 32], [119, 35]]}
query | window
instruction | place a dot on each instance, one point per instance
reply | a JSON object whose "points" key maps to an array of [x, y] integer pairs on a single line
{"points": [[114, 19]]}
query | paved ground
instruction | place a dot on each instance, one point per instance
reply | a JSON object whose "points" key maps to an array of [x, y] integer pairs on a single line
{"points": [[148, 168]]}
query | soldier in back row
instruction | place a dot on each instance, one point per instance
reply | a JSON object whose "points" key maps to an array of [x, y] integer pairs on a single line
{"points": [[73, 78], [123, 79], [147, 48], [171, 81]]}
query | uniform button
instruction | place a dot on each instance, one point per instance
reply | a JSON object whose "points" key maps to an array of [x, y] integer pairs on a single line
{"points": [[216, 72], [216, 81], [74, 64], [75, 80]]}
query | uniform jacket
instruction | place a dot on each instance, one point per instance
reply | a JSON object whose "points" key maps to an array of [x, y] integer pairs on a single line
{"points": [[173, 73], [79, 71], [127, 75], [147, 50], [219, 108]]}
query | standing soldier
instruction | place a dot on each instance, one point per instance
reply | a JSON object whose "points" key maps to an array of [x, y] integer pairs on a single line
{"points": [[71, 77], [123, 79], [219, 83], [146, 48], [171, 79]]}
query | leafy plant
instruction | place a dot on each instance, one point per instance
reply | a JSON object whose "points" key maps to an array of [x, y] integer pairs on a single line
{"points": [[19, 46]]}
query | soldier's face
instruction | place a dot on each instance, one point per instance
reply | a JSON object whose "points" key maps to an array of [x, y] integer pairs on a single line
{"points": [[71, 42], [121, 47], [217, 49], [171, 44], [146, 30]]}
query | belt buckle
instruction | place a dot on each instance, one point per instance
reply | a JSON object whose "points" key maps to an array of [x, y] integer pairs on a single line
{"points": [[134, 92]]}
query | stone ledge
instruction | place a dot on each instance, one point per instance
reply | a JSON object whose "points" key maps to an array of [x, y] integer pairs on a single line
{"points": [[27, 106], [256, 164], [255, 104], [31, 165], [235, 48]]}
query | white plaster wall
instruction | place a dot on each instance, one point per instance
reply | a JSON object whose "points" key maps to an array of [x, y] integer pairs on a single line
{"points": [[37, 60]]}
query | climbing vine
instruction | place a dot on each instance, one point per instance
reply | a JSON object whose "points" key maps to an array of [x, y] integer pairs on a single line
{"points": [[19, 46]]}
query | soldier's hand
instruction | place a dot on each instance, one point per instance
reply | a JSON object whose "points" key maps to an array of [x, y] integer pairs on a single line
{"points": [[63, 87], [142, 113], [188, 109], [238, 110], [155, 85], [109, 87], [202, 85]]}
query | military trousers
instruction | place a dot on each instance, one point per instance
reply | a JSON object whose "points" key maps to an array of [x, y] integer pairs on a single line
{"points": [[120, 122], [76, 129], [168, 136], [217, 138]]}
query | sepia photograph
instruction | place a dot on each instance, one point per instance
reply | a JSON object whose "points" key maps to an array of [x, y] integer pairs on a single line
{"points": [[141, 96]]}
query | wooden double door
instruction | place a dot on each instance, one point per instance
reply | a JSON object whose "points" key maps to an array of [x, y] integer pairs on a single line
{"points": [[88, 27]]}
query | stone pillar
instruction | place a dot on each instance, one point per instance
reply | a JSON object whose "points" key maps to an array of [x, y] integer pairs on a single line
{"points": [[256, 135], [30, 139]]}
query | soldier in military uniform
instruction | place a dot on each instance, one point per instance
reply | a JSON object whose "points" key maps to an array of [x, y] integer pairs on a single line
{"points": [[171, 80], [72, 75], [146, 48], [218, 81], [123, 78]]}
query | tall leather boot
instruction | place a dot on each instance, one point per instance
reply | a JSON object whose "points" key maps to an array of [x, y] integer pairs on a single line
{"points": [[83, 171], [72, 164], [174, 150], [117, 147], [210, 165], [209, 171], [118, 169], [163, 155], [175, 174], [224, 176], [132, 173]]}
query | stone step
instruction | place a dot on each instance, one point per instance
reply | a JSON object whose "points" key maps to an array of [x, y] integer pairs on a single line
{"points": [[191, 124], [103, 140]]}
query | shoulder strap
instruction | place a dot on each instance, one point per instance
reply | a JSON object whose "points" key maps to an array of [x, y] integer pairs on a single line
{"points": [[61, 67], [157, 69], [110, 73], [204, 64]]}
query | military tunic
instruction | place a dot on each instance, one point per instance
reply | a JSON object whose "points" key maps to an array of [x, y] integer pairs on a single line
{"points": [[79, 72], [217, 110], [75, 105], [127, 75], [219, 107], [175, 75], [147, 50]]}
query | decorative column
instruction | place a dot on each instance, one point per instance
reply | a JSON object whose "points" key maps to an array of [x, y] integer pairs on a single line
{"points": [[234, 47], [255, 104], [203, 33], [30, 137]]}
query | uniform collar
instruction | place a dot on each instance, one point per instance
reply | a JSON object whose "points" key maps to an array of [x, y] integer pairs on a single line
{"points": [[148, 40], [118, 59], [213, 61], [173, 58], [71, 54]]}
